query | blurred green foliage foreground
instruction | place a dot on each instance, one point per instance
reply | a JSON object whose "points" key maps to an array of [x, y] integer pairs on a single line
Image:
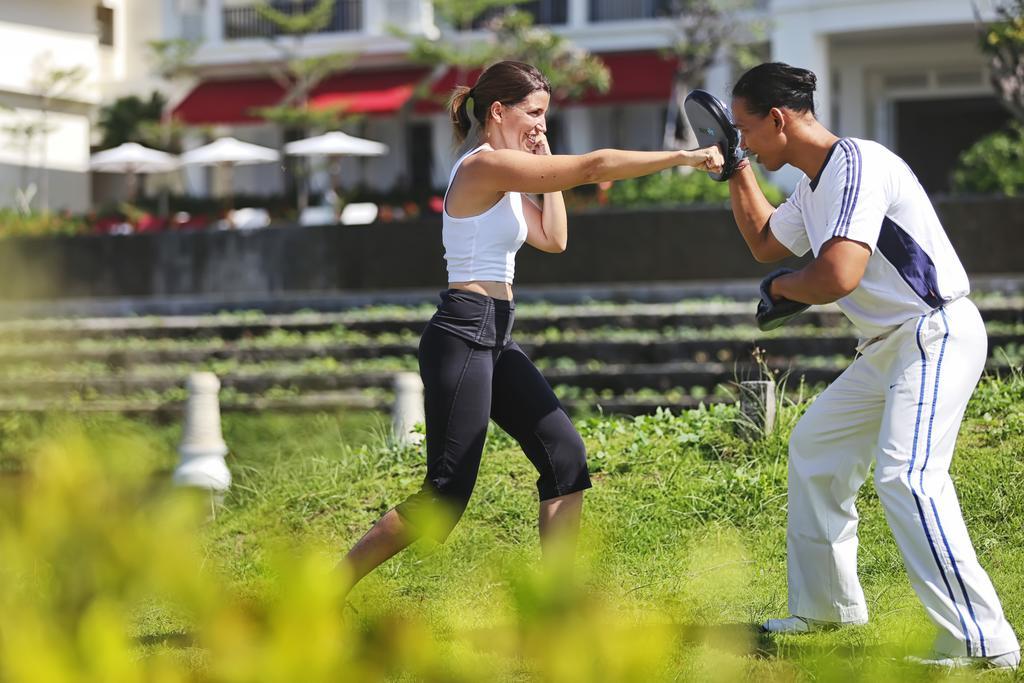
{"points": [[107, 574]]}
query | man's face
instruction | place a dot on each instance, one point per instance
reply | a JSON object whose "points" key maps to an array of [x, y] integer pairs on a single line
{"points": [[763, 137]]}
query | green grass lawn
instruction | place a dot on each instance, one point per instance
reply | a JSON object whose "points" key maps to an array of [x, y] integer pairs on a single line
{"points": [[683, 550]]}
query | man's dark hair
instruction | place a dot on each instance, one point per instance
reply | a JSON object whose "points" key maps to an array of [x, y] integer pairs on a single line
{"points": [[774, 84]]}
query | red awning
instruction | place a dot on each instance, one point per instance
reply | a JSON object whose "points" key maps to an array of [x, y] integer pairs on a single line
{"points": [[363, 92], [228, 101], [368, 92], [636, 77]]}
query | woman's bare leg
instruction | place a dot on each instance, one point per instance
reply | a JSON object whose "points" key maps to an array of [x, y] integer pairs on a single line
{"points": [[559, 525], [389, 536]]}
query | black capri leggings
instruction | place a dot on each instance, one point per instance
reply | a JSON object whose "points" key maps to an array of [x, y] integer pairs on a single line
{"points": [[472, 371]]}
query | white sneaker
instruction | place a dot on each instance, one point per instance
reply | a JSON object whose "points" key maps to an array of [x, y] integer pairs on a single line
{"points": [[787, 625], [796, 624], [1007, 660]]}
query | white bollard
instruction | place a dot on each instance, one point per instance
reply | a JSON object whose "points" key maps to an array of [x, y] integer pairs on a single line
{"points": [[407, 411], [202, 446]]}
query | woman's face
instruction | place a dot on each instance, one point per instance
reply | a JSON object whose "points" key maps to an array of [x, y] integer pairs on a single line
{"points": [[522, 124]]}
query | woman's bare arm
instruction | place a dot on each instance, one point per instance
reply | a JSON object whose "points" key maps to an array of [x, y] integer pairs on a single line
{"points": [[547, 226], [508, 170]]}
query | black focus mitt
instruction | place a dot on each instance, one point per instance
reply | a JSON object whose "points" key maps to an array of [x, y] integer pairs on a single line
{"points": [[778, 312], [712, 125]]}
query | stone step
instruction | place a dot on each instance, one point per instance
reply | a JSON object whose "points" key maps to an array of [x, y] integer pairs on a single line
{"points": [[617, 378], [690, 314], [352, 400], [606, 351], [321, 401]]}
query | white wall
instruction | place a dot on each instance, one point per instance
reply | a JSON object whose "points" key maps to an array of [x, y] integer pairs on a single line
{"points": [[60, 159], [29, 49], [66, 16], [67, 190], [130, 70], [860, 49], [637, 126], [643, 126], [259, 178], [873, 73], [444, 150], [846, 16], [383, 172], [38, 37]]}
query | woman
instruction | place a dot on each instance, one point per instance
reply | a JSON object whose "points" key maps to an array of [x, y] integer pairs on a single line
{"points": [[472, 370]]}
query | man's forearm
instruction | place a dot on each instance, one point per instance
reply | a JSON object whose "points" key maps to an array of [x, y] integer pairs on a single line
{"points": [[810, 285], [750, 208]]}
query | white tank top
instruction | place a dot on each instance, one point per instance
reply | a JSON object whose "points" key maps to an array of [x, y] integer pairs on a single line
{"points": [[483, 247]]}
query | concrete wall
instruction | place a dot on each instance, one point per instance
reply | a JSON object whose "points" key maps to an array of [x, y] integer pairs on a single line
{"points": [[604, 247]]}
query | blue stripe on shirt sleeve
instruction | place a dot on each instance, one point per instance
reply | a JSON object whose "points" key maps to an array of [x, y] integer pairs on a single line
{"points": [[847, 187], [859, 167]]}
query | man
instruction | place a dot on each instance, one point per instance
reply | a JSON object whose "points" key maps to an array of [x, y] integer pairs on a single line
{"points": [[882, 255]]}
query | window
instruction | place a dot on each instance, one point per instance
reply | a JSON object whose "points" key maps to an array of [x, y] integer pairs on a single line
{"points": [[544, 12], [105, 24], [556, 135], [420, 159], [624, 10], [958, 122]]}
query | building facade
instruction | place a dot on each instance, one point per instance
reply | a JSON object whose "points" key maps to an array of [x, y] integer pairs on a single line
{"points": [[62, 60], [904, 72], [907, 73], [628, 35]]}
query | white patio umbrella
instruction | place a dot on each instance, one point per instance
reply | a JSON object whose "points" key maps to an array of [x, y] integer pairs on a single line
{"points": [[132, 158], [335, 145], [227, 153]]}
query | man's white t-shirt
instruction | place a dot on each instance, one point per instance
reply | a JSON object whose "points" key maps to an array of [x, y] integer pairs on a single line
{"points": [[866, 193]]}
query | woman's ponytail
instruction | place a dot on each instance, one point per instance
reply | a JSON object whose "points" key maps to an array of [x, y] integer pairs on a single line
{"points": [[462, 118]]}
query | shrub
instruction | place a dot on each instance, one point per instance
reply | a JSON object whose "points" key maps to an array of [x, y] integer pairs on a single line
{"points": [[16, 224], [993, 165], [674, 187]]}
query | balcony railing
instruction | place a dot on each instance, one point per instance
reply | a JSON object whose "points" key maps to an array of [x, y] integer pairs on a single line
{"points": [[624, 10], [545, 12], [246, 22]]}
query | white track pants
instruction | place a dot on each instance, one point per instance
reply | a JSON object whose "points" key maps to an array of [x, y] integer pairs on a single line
{"points": [[901, 403]]}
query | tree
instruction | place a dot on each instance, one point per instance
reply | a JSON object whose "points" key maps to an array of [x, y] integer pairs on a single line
{"points": [[299, 75], [22, 133], [460, 14], [296, 74], [704, 29], [124, 119], [172, 59], [50, 84], [1002, 41], [509, 35], [993, 165], [173, 63], [149, 122]]}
